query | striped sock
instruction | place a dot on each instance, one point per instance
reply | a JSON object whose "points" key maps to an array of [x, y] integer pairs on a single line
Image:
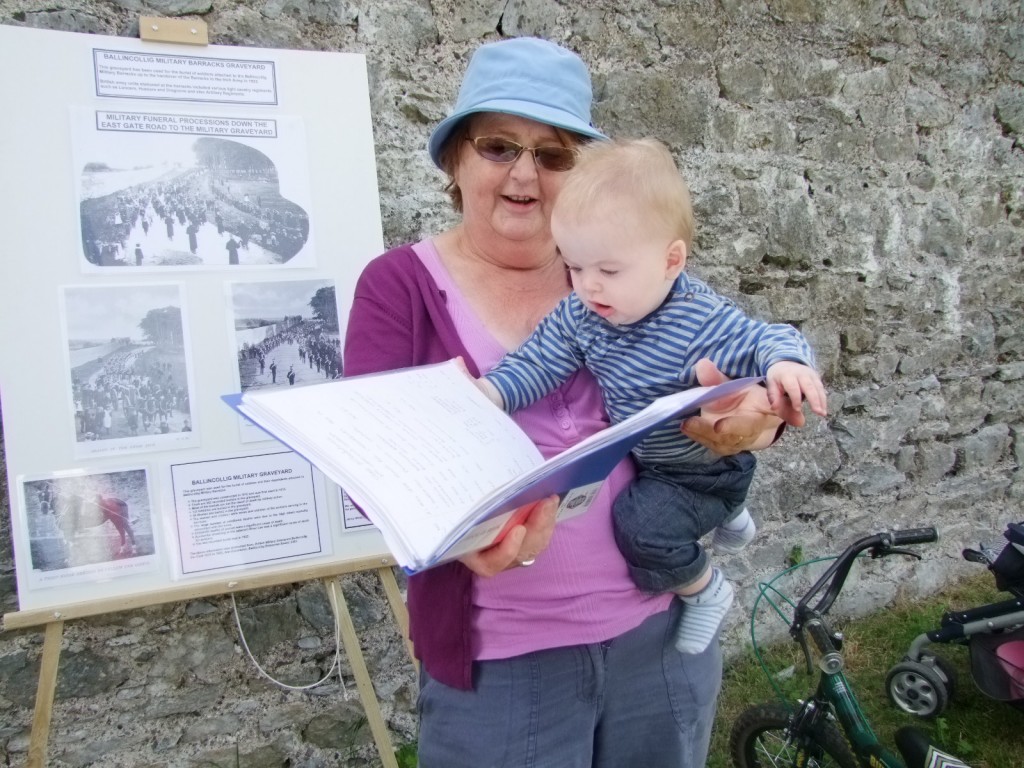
{"points": [[734, 535], [703, 614]]}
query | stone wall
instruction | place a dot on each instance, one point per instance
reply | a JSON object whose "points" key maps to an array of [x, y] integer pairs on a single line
{"points": [[857, 169]]}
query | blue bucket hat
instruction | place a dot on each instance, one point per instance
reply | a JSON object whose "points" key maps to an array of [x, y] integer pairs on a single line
{"points": [[523, 76]]}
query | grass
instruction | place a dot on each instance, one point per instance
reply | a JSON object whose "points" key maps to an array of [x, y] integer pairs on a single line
{"points": [[984, 732]]}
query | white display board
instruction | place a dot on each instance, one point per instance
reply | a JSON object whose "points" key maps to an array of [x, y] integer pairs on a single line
{"points": [[179, 222]]}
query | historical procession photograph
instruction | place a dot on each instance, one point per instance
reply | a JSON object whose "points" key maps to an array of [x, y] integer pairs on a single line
{"points": [[286, 333], [151, 199], [130, 380], [88, 520]]}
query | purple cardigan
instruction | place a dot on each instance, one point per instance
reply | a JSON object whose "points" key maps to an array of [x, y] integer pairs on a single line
{"points": [[399, 318]]}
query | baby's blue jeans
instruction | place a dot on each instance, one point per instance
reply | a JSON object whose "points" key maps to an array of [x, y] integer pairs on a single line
{"points": [[660, 517]]}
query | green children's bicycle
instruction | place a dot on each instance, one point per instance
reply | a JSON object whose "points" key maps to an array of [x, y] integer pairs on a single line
{"points": [[827, 729]]}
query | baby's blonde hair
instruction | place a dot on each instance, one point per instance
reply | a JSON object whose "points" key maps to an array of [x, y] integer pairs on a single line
{"points": [[639, 173]]}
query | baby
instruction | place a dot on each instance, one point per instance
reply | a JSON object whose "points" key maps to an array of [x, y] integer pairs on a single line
{"points": [[623, 224]]}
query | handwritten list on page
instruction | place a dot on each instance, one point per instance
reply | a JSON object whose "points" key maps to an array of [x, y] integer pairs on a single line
{"points": [[410, 449]]}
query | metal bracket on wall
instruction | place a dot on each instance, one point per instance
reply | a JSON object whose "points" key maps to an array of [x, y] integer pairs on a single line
{"points": [[160, 30]]}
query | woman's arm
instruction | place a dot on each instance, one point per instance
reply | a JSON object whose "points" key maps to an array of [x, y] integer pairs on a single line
{"points": [[379, 335]]}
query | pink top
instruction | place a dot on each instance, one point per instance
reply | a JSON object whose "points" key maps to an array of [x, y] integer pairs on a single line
{"points": [[578, 591]]}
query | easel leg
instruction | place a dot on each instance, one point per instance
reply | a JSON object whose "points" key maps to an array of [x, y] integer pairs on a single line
{"points": [[44, 694], [363, 682], [387, 578]]}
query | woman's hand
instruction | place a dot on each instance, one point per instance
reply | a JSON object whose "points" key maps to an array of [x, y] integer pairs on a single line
{"points": [[521, 544], [741, 422]]}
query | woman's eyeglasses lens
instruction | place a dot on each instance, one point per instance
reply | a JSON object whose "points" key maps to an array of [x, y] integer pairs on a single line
{"points": [[500, 150]]}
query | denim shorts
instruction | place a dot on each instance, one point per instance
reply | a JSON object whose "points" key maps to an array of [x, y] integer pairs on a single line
{"points": [[660, 517]]}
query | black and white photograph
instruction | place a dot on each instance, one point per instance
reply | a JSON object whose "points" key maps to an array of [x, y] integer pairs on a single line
{"points": [[192, 192], [286, 334], [130, 374], [86, 524]]}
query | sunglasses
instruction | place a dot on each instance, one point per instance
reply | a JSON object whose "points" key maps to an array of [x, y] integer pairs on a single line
{"points": [[499, 150]]}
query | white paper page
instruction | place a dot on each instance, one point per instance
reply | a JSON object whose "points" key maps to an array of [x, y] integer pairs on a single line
{"points": [[380, 439], [247, 510]]}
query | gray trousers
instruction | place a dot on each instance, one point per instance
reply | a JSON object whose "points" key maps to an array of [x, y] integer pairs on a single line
{"points": [[631, 701]]}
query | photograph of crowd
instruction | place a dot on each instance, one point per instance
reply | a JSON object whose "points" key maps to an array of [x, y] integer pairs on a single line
{"points": [[129, 373], [286, 333], [154, 200], [88, 519]]}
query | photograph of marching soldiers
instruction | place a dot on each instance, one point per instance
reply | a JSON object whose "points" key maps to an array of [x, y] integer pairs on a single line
{"points": [[286, 333], [130, 379], [152, 200], [88, 519]]}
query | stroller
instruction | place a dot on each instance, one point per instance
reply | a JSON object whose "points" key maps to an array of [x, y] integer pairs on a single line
{"points": [[923, 684]]}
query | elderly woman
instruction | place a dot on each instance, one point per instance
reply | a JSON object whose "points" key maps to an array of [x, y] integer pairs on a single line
{"points": [[539, 651]]}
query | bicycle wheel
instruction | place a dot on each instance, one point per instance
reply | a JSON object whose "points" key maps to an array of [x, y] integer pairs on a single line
{"points": [[761, 738]]}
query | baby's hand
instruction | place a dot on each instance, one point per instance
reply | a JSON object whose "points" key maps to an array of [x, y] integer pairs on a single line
{"points": [[789, 385], [482, 384]]}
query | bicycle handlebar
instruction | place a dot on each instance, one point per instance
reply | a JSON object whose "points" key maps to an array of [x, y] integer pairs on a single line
{"points": [[914, 536], [819, 635], [881, 544]]}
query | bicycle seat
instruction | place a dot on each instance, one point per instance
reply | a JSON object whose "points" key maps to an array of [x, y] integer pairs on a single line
{"points": [[919, 751]]}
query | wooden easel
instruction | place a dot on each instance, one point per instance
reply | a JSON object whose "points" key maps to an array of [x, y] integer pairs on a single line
{"points": [[53, 620]]}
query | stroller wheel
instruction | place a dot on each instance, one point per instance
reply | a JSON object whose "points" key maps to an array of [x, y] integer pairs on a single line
{"points": [[946, 671], [917, 689]]}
